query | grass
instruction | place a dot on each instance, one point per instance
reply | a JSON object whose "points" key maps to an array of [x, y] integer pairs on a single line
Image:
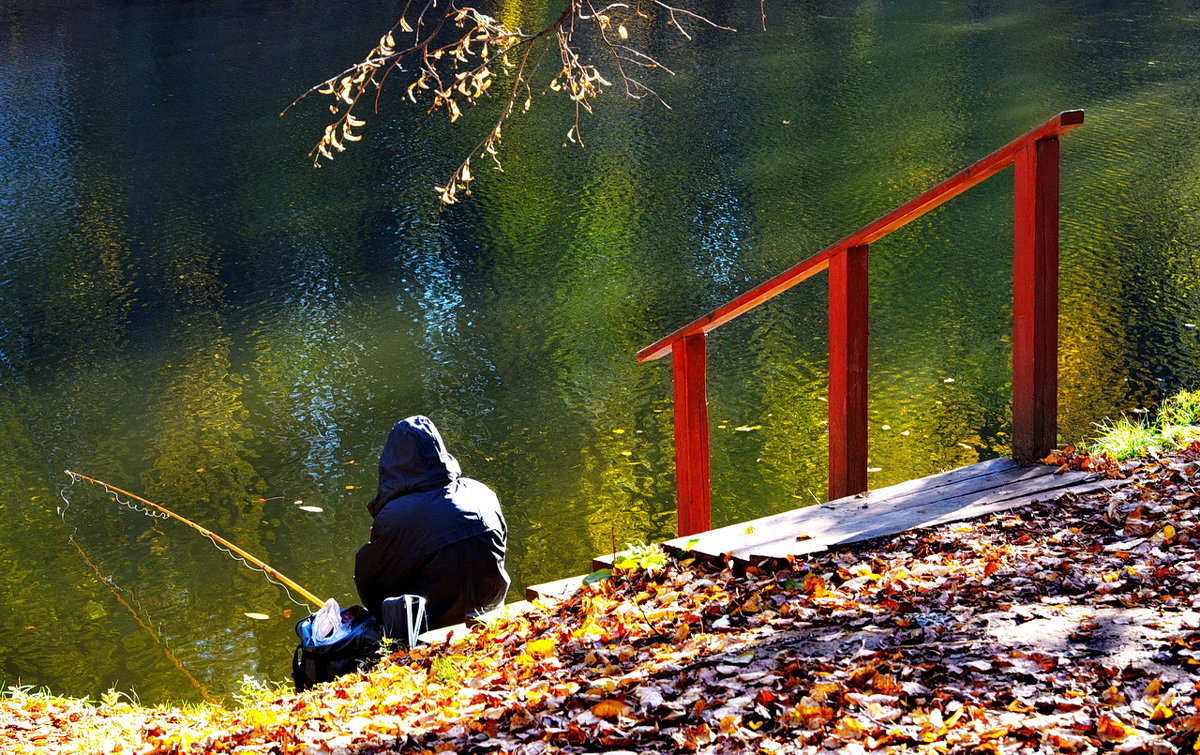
{"points": [[255, 692], [1176, 424]]}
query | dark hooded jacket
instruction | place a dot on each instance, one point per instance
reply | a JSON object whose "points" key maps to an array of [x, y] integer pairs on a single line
{"points": [[435, 533]]}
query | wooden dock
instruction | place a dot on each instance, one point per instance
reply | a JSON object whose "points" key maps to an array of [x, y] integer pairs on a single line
{"points": [[959, 494]]}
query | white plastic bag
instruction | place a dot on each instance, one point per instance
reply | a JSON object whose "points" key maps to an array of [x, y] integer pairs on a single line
{"points": [[327, 627]]}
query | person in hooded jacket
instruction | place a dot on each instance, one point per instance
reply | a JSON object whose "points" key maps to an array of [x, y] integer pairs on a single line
{"points": [[435, 533]]}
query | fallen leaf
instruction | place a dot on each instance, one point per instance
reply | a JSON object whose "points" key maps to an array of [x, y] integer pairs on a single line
{"points": [[649, 696], [1191, 723], [849, 728], [1161, 712], [542, 648], [611, 708], [1111, 729], [1113, 696]]}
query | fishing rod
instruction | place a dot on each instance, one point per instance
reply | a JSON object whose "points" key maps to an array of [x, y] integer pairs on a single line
{"points": [[112, 587], [267, 568]]}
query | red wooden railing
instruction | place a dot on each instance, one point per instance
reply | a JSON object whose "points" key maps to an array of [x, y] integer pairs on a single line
{"points": [[1035, 325]]}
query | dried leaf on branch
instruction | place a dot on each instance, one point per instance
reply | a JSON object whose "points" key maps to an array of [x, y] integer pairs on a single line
{"points": [[453, 55]]}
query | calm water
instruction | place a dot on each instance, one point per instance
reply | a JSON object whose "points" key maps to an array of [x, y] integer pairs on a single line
{"points": [[189, 311]]}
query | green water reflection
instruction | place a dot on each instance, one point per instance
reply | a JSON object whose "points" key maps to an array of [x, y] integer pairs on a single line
{"points": [[189, 311]]}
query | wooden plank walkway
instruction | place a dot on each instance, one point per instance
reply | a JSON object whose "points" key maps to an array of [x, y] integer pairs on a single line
{"points": [[959, 494]]}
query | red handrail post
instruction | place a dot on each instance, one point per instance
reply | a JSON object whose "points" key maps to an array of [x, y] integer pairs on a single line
{"points": [[1035, 299], [691, 435], [848, 304]]}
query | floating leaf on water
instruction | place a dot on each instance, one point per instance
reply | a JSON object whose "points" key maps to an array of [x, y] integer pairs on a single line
{"points": [[256, 616], [313, 509], [747, 428]]}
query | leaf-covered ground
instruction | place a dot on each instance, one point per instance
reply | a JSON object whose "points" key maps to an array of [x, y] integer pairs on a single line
{"points": [[1070, 626]]}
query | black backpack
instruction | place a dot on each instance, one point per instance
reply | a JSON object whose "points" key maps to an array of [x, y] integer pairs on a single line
{"points": [[313, 663]]}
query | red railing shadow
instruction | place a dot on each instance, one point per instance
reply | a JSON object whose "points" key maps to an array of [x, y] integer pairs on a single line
{"points": [[1035, 158]]}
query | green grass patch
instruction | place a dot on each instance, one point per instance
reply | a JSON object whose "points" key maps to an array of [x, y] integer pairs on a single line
{"points": [[1176, 424]]}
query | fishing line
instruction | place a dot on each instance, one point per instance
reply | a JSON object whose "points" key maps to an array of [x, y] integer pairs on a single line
{"points": [[116, 591], [149, 508]]}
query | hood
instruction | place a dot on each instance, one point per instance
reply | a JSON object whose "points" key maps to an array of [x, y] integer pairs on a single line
{"points": [[413, 459]]}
